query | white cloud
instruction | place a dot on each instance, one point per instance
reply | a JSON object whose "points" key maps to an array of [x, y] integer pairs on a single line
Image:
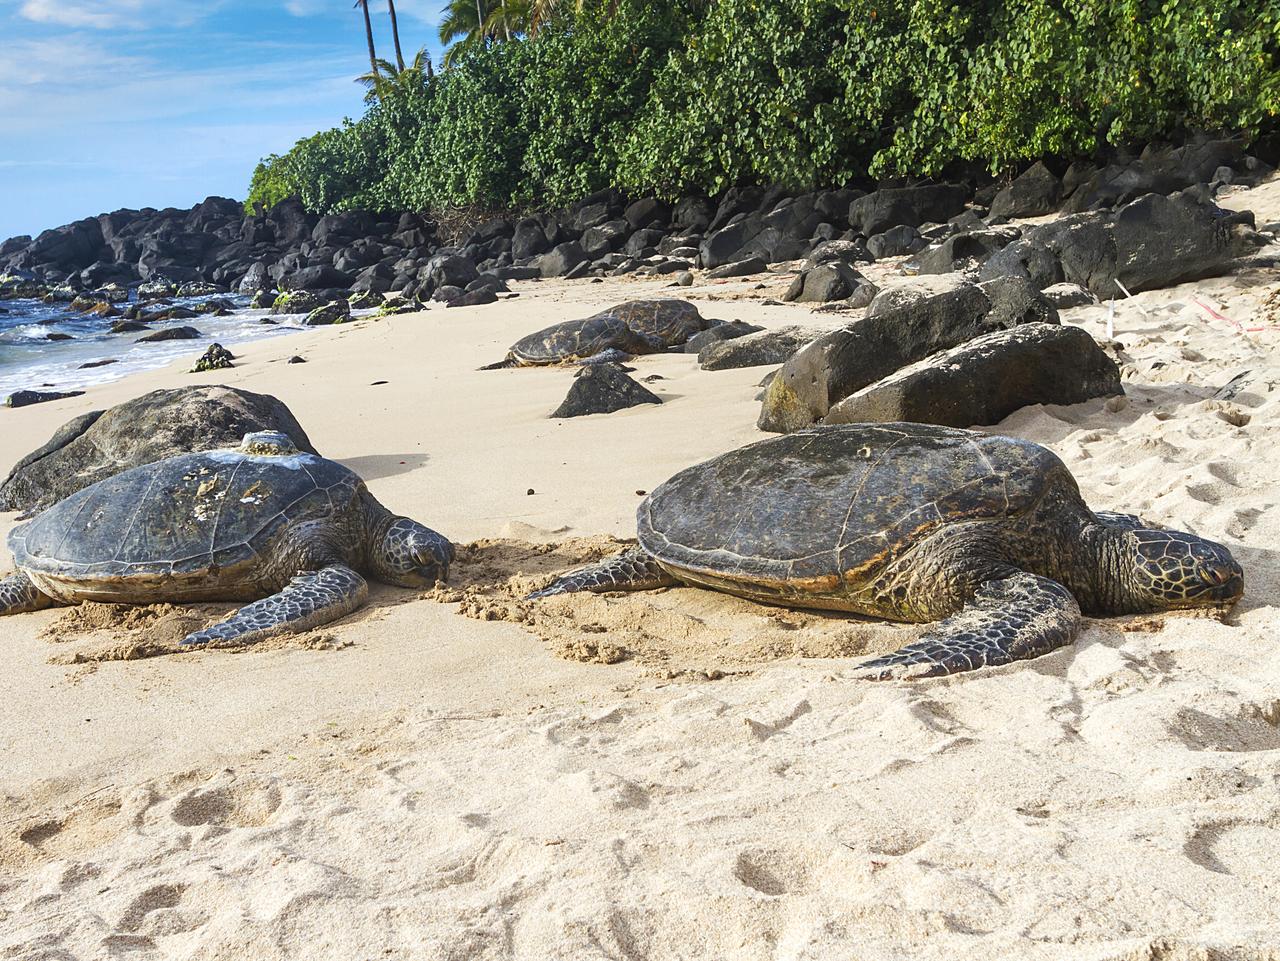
{"points": [[304, 8], [117, 14]]}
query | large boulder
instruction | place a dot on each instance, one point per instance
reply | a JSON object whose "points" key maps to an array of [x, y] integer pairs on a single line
{"points": [[879, 210], [833, 281], [730, 330], [256, 278], [740, 268], [334, 312], [987, 379], [98, 445], [844, 361], [602, 389], [562, 259], [1035, 191], [318, 277], [170, 333], [1154, 241], [768, 347], [963, 251], [449, 270]]}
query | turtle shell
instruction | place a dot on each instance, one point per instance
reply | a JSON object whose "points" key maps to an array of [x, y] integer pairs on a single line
{"points": [[822, 510], [197, 525], [577, 339], [635, 327]]}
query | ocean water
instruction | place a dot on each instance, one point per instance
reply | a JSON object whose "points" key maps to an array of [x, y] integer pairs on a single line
{"points": [[30, 361]]}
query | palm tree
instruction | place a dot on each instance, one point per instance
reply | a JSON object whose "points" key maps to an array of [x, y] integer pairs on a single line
{"points": [[411, 79], [368, 32], [462, 27], [395, 32]]}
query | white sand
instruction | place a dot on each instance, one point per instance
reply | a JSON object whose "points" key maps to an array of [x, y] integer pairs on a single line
{"points": [[433, 786]]}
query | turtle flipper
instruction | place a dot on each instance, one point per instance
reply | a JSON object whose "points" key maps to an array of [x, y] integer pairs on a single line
{"points": [[19, 595], [632, 570], [1016, 618], [311, 599]]}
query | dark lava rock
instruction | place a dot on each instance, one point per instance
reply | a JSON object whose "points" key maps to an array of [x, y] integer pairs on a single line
{"points": [[602, 389], [161, 424], [713, 335], [987, 379], [739, 268], [474, 298], [562, 260], [448, 292], [255, 280], [837, 251], [1153, 242], [295, 359], [879, 210], [171, 333], [296, 302], [317, 278], [58, 337], [216, 357], [833, 281], [98, 363], [449, 270], [1063, 296], [1035, 191], [128, 327], [756, 350], [366, 300], [843, 361], [334, 312], [895, 242], [25, 398], [964, 251]]}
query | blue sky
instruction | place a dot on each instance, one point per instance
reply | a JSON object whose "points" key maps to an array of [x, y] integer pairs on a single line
{"points": [[133, 103]]}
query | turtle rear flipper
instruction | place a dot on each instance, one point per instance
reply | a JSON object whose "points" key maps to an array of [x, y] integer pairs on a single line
{"points": [[310, 600], [1016, 618], [18, 595], [631, 570]]}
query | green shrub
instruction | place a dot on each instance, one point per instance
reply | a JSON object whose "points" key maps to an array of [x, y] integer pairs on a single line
{"points": [[673, 98]]}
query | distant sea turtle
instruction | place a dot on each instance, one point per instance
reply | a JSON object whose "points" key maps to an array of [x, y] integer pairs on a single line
{"points": [[636, 327], [259, 521], [916, 523]]}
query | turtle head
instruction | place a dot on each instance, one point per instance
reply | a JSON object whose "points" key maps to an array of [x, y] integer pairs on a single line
{"points": [[268, 443], [409, 554], [1171, 569]]}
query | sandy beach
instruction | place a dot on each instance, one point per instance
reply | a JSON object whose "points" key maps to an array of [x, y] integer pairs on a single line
{"points": [[675, 775]]}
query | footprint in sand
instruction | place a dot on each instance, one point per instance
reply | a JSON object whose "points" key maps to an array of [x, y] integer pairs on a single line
{"points": [[1239, 848], [158, 898], [235, 805], [773, 871], [1254, 728]]}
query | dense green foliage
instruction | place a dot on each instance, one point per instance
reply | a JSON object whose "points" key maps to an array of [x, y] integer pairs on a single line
{"points": [[675, 97]]}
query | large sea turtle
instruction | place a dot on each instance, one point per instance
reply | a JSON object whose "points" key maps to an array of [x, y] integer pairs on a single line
{"points": [[636, 327], [263, 520], [916, 523]]}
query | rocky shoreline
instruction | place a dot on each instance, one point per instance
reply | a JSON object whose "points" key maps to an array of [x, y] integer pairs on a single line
{"points": [[287, 248]]}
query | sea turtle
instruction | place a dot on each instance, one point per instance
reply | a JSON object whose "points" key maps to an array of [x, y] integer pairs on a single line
{"points": [[915, 523], [636, 327], [262, 520]]}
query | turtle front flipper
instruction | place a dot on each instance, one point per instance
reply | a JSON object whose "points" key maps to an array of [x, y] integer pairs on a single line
{"points": [[310, 600], [631, 570], [18, 595], [1016, 618]]}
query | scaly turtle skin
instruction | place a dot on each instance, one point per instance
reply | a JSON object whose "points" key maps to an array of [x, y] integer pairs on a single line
{"points": [[915, 523], [636, 327], [260, 522]]}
